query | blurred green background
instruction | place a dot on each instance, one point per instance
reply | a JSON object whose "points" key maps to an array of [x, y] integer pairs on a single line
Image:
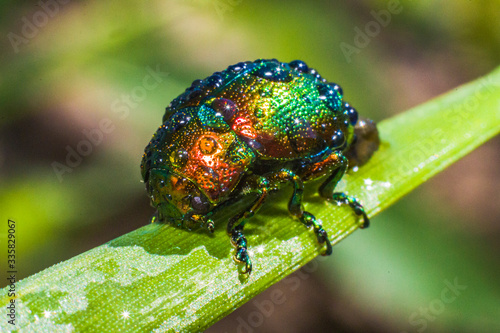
{"points": [[68, 68]]}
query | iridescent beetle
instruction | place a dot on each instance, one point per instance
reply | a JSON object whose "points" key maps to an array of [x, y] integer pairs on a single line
{"points": [[242, 132]]}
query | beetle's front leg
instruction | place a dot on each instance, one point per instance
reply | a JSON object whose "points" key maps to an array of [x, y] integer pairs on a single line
{"points": [[326, 190], [236, 224]]}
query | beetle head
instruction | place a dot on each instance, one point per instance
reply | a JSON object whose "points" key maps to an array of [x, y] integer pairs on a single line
{"points": [[178, 200], [192, 164]]}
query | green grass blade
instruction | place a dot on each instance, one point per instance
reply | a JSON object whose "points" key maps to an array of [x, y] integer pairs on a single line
{"points": [[169, 280]]}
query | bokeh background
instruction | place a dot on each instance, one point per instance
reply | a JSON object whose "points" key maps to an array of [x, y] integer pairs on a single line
{"points": [[69, 67]]}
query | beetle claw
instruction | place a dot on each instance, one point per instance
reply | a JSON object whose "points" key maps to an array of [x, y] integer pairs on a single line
{"points": [[210, 226]]}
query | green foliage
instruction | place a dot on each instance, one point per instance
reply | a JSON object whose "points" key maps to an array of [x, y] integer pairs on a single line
{"points": [[162, 278]]}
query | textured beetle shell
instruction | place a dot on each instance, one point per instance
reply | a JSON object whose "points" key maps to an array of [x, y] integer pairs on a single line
{"points": [[250, 114]]}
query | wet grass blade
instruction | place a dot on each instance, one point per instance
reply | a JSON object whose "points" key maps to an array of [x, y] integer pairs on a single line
{"points": [[169, 280]]}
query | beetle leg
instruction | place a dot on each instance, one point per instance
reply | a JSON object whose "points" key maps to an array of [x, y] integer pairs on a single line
{"points": [[295, 207], [326, 190], [241, 256], [237, 223]]}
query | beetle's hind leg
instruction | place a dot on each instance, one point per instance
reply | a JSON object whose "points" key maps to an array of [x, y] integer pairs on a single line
{"points": [[237, 223], [295, 207], [326, 190], [354, 204]]}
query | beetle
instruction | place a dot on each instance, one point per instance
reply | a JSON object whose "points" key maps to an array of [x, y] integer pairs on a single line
{"points": [[243, 132]]}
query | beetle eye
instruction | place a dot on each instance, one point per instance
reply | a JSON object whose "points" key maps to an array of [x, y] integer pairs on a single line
{"points": [[200, 204]]}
